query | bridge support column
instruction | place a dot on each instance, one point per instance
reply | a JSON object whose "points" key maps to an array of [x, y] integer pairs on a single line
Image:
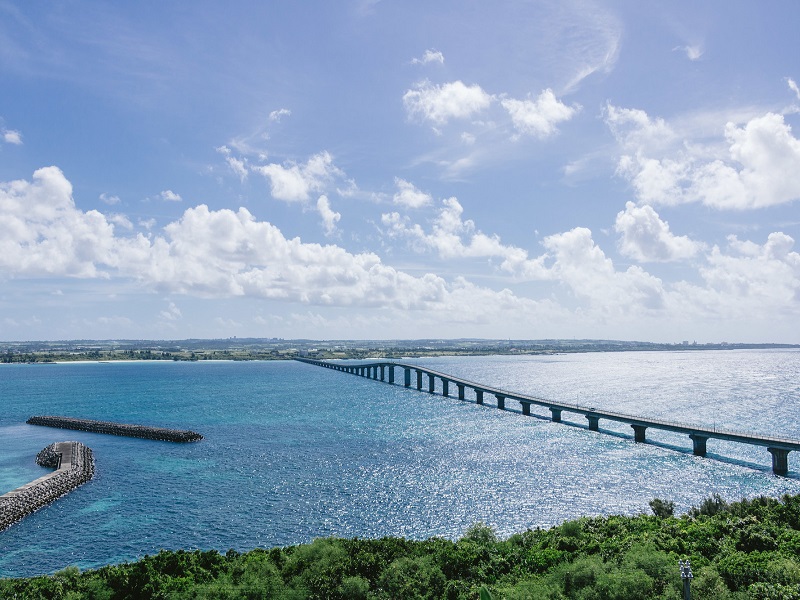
{"points": [[391, 373], [419, 380], [780, 460], [556, 415], [479, 396], [698, 444], [383, 372], [594, 421], [407, 382], [638, 433], [526, 408], [501, 401], [431, 383], [445, 388], [460, 391]]}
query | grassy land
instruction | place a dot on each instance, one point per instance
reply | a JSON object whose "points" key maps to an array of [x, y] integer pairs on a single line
{"points": [[747, 549]]}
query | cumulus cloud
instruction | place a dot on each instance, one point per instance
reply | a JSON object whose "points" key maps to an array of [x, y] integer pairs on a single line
{"points": [[440, 103], [409, 195], [294, 182], [329, 216], [11, 136], [538, 117], [205, 253], [576, 261], [747, 280], [109, 199], [226, 253], [42, 232], [646, 238], [761, 167], [170, 196], [430, 56]]}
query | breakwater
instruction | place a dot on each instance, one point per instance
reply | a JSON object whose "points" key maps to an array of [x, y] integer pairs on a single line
{"points": [[110, 428], [74, 465]]}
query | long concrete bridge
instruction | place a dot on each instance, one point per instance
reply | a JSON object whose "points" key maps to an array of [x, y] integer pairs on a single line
{"points": [[415, 375]]}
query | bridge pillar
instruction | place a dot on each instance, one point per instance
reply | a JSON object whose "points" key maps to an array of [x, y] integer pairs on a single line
{"points": [[419, 379], [375, 372], [780, 460], [594, 421], [526, 407], [698, 444], [638, 433], [407, 382], [501, 401], [479, 396], [431, 383], [556, 414], [460, 391], [445, 388], [391, 373], [383, 372]]}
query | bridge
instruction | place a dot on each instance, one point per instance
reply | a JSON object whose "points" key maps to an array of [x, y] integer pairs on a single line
{"points": [[414, 376]]}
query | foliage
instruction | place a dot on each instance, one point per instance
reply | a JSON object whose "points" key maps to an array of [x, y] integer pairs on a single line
{"points": [[662, 508], [738, 550]]}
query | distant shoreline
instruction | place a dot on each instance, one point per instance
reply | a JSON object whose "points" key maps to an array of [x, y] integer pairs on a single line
{"points": [[251, 349]]}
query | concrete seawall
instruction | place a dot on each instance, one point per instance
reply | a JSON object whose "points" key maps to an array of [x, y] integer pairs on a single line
{"points": [[137, 431], [74, 466]]}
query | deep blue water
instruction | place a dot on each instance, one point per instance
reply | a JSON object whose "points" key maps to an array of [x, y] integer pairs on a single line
{"points": [[293, 452]]}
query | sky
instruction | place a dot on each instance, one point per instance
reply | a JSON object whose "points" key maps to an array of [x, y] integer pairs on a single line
{"points": [[377, 169]]}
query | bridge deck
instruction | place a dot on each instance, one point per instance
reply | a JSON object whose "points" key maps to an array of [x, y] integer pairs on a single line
{"points": [[778, 446]]}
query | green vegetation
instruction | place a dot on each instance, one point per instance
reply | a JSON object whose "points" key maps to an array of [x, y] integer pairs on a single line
{"points": [[742, 550], [280, 349]]}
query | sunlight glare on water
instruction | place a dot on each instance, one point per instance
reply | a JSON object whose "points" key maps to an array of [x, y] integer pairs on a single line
{"points": [[293, 452]]}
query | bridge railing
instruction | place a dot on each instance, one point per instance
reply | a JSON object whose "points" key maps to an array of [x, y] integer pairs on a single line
{"points": [[779, 447]]}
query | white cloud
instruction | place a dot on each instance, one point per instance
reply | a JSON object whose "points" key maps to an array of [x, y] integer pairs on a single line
{"points": [[225, 253], [793, 86], [760, 166], [172, 313], [237, 165], [538, 117], [409, 195], [646, 238], [296, 183], [748, 281], [440, 103], [693, 52], [109, 199], [329, 216], [170, 196], [12, 137], [450, 237], [430, 56], [576, 261], [277, 115], [121, 221], [42, 232]]}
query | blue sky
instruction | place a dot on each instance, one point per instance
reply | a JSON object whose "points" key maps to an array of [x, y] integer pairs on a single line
{"points": [[378, 169]]}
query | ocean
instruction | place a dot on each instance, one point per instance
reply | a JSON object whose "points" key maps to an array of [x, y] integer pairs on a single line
{"points": [[293, 452]]}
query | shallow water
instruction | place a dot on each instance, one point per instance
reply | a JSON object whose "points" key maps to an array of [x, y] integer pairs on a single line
{"points": [[293, 452]]}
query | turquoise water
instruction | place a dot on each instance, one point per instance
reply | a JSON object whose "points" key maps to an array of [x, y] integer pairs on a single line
{"points": [[293, 452]]}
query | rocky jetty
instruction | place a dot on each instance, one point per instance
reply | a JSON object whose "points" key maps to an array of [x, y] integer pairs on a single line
{"points": [[74, 466], [137, 431]]}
